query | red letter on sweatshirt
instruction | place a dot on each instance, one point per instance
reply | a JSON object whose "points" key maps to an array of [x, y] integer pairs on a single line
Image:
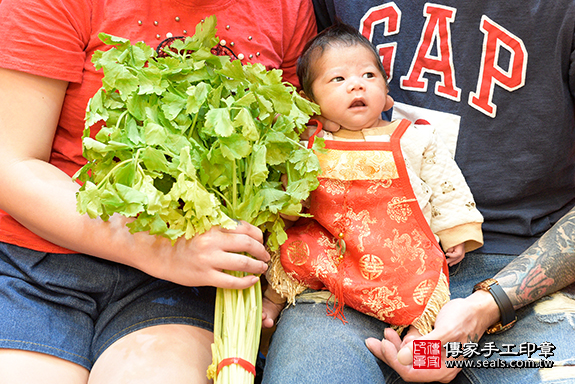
{"points": [[497, 37], [391, 15], [437, 30]]}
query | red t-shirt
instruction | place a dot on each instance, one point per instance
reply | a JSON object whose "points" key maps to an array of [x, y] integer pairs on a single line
{"points": [[56, 39]]}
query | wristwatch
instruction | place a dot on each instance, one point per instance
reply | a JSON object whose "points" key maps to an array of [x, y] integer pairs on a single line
{"points": [[506, 310]]}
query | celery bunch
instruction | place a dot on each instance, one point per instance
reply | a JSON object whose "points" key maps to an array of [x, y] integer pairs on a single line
{"points": [[192, 140]]}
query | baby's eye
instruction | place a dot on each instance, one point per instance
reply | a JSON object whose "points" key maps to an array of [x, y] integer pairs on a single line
{"points": [[368, 75], [337, 79]]}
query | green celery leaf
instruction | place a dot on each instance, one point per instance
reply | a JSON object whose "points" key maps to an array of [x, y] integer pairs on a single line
{"points": [[215, 96], [134, 199], [125, 174], [278, 235], [197, 96], [154, 159], [120, 78], [218, 122], [132, 131], [205, 32], [154, 134], [151, 81], [279, 148], [173, 105], [96, 111], [88, 200], [278, 95], [245, 120], [233, 75], [249, 208], [187, 140], [235, 147], [302, 109], [299, 189], [246, 100], [94, 145], [119, 42], [157, 225], [186, 166], [305, 161], [274, 199]]}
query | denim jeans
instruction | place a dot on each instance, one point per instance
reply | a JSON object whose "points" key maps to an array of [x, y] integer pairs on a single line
{"points": [[74, 306], [310, 347]]}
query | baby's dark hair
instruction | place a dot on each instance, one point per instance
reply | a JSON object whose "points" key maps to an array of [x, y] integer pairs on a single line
{"points": [[338, 34]]}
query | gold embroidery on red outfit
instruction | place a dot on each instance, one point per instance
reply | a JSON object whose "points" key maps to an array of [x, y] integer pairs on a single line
{"points": [[369, 243]]}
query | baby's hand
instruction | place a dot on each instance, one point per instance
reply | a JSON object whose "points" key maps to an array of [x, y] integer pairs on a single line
{"points": [[327, 125], [271, 308], [455, 254]]}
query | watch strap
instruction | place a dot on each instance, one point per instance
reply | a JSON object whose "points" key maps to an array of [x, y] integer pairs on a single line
{"points": [[506, 310]]}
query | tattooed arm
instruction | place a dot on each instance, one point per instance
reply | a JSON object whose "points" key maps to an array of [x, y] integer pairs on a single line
{"points": [[546, 267]]}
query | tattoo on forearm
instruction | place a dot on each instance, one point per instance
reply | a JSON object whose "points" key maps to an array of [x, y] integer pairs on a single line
{"points": [[473, 339], [547, 266]]}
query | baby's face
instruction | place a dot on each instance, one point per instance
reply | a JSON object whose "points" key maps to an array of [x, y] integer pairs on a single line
{"points": [[349, 88]]}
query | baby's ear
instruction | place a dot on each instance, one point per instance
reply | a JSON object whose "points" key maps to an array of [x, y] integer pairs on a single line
{"points": [[388, 104]]}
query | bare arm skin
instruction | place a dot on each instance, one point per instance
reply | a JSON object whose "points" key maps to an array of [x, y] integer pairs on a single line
{"points": [[546, 267], [42, 198]]}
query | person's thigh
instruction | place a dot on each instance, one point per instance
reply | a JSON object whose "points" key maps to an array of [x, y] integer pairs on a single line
{"points": [[46, 303], [170, 353], [310, 347], [74, 306], [17, 367], [474, 268], [548, 320], [534, 329], [141, 301]]}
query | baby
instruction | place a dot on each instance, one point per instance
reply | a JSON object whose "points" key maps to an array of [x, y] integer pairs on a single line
{"points": [[389, 195]]}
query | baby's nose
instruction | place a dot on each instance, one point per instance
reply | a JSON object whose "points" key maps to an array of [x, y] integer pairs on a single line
{"points": [[356, 84]]}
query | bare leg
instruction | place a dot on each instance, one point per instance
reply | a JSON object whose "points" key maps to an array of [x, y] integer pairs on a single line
{"points": [[160, 354], [18, 367]]}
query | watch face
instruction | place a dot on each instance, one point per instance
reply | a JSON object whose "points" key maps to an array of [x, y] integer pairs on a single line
{"points": [[498, 328], [485, 284]]}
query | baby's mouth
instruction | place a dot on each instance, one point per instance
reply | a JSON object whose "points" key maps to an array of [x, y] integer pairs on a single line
{"points": [[357, 103]]}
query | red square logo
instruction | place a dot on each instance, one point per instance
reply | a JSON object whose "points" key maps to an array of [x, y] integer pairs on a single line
{"points": [[426, 354]]}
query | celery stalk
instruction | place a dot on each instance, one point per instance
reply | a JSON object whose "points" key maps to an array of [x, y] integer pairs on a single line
{"points": [[237, 329]]}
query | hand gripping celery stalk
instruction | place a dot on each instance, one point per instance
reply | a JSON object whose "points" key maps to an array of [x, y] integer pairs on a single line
{"points": [[188, 140]]}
